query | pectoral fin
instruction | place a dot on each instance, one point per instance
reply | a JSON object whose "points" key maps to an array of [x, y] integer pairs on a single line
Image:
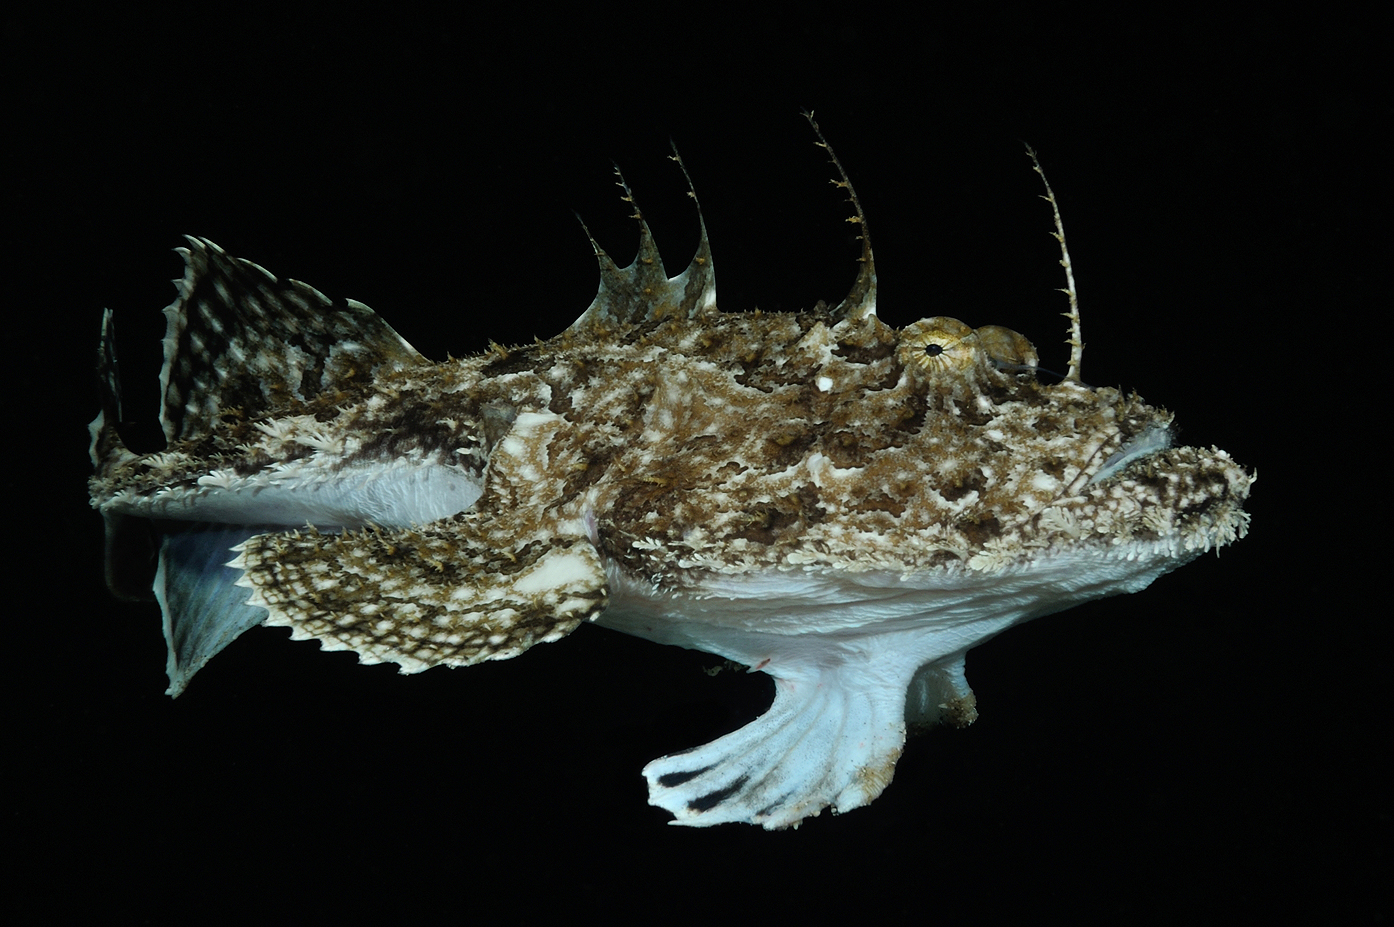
{"points": [[454, 592]]}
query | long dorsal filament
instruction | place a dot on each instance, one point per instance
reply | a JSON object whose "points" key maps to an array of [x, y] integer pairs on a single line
{"points": [[861, 301], [1075, 341]]}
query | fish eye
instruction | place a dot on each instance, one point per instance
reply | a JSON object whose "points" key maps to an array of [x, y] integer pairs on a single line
{"points": [[939, 345]]}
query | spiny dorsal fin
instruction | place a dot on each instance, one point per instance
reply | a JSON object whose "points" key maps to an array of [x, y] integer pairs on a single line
{"points": [[238, 338], [861, 300], [643, 290], [698, 281]]}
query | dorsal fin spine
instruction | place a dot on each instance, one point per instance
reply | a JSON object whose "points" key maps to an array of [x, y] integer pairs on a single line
{"points": [[860, 302], [1075, 339]]}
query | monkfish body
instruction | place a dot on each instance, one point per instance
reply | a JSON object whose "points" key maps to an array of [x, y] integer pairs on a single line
{"points": [[817, 495]]}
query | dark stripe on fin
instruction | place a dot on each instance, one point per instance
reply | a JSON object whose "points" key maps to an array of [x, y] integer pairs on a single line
{"points": [[674, 779], [712, 799], [239, 338]]}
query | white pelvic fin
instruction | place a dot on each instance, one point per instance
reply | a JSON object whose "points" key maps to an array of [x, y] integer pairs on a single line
{"points": [[829, 740], [940, 694]]}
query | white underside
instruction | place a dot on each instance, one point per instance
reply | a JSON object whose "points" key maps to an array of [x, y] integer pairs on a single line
{"points": [[393, 495], [843, 649]]}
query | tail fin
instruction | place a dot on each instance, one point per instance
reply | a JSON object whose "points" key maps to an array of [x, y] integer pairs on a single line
{"points": [[204, 608], [129, 553], [106, 443]]}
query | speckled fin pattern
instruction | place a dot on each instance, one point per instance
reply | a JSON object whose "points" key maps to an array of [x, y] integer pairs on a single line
{"points": [[239, 339], [452, 593]]}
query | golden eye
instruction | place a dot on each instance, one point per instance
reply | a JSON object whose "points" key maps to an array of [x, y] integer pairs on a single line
{"points": [[1007, 348], [938, 345]]}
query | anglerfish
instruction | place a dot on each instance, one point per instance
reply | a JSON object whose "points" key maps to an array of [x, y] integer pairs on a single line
{"points": [[817, 495]]}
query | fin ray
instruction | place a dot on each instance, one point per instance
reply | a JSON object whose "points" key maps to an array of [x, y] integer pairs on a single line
{"points": [[860, 301]]}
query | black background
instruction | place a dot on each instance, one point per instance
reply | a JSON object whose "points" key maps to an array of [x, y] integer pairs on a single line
{"points": [[1213, 748]]}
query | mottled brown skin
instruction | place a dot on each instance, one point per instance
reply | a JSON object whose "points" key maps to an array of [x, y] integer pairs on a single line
{"points": [[733, 443]]}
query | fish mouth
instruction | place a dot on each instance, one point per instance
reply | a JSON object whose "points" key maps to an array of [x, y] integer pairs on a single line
{"points": [[1153, 440]]}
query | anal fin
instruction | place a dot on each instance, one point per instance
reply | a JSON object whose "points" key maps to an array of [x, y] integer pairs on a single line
{"points": [[204, 608]]}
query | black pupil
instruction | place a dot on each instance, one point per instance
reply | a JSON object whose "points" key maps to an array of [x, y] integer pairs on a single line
{"points": [[934, 350]]}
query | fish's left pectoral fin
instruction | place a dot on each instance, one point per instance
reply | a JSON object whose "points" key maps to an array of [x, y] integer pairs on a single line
{"points": [[445, 593]]}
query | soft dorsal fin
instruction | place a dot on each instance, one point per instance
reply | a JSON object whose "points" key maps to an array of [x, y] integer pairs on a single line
{"points": [[238, 338], [860, 302], [643, 290]]}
